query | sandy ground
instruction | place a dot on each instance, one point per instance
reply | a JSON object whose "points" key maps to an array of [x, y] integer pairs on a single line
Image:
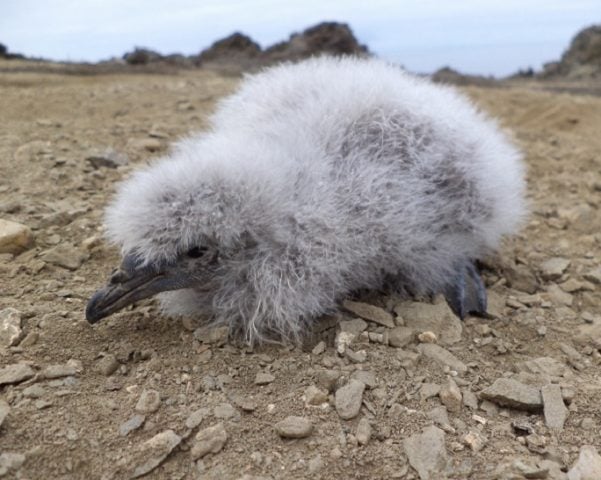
{"points": [[66, 421]]}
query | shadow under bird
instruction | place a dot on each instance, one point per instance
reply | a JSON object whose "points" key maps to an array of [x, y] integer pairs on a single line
{"points": [[315, 180]]}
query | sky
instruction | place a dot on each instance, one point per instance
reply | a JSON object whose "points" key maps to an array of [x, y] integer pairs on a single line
{"points": [[484, 37]]}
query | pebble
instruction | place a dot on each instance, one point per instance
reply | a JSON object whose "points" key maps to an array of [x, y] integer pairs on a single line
{"points": [[511, 393], [363, 432], [427, 453], [370, 312], [263, 378], [554, 268], [427, 337], [440, 416], [15, 237], [470, 400], [348, 399], [196, 418], [65, 255], [319, 348], [110, 158], [30, 339], [4, 410], [154, 451], [428, 390], [451, 397], [315, 396], [10, 461], [360, 356], [107, 365], [588, 465], [294, 427], [343, 340], [10, 327], [555, 411], [400, 336], [149, 401], [315, 464], [209, 440], [558, 297], [15, 373], [442, 356], [244, 403], [132, 424], [437, 318]]}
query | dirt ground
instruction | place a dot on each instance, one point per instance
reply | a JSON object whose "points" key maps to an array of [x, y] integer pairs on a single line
{"points": [[69, 421]]}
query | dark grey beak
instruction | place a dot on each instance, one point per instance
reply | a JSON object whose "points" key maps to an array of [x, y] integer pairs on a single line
{"points": [[128, 284]]}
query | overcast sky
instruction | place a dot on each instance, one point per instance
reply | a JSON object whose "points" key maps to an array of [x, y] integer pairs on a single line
{"points": [[474, 36]]}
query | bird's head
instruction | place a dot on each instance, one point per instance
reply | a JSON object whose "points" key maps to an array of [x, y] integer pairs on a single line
{"points": [[176, 224]]}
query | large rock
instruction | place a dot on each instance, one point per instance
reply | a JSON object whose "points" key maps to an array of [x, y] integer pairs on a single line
{"points": [[237, 47], [325, 38], [582, 59], [588, 465], [437, 318], [142, 56]]}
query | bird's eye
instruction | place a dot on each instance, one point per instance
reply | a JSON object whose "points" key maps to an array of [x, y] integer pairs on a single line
{"points": [[196, 252]]}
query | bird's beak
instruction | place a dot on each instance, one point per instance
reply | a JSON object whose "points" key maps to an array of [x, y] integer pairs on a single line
{"points": [[128, 284]]}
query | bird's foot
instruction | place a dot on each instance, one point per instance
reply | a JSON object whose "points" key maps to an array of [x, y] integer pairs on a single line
{"points": [[466, 293]]}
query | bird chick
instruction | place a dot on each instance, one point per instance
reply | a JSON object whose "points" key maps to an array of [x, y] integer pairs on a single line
{"points": [[315, 180]]}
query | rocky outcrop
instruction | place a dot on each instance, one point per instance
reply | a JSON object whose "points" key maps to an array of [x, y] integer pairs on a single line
{"points": [[581, 60]]}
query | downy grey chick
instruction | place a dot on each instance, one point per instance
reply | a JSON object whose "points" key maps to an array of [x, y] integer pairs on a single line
{"points": [[315, 180]]}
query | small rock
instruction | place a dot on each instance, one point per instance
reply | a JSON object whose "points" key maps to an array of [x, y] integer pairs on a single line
{"points": [[475, 440], [209, 440], [594, 276], [34, 391], [451, 397], [30, 339], [154, 451], [15, 373], [196, 418], [428, 390], [400, 336], [370, 312], [65, 255], [107, 365], [15, 238], [315, 396], [359, 356], [588, 465], [437, 318], [554, 268], [427, 453], [511, 393], [558, 297], [440, 416], [363, 433], [10, 327], [294, 427], [148, 144], [149, 402], [327, 379], [4, 410], [244, 403], [71, 368], [132, 424], [355, 326], [315, 465], [110, 158], [554, 408], [343, 340], [9, 462], [470, 400], [225, 411], [263, 378], [212, 335], [365, 377], [442, 356], [427, 337], [319, 348], [348, 399]]}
